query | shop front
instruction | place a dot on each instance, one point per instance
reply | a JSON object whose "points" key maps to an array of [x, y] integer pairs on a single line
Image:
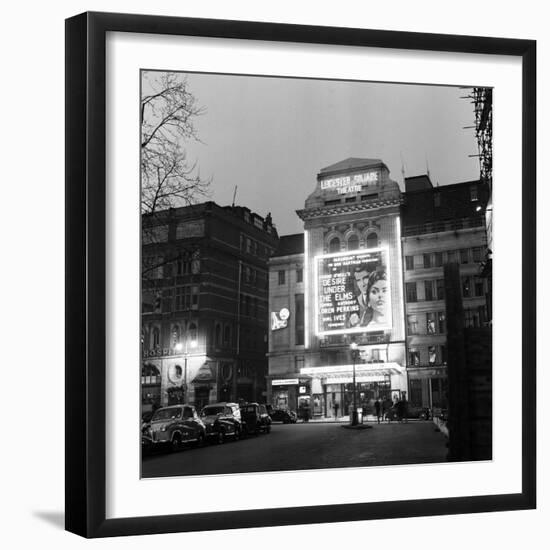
{"points": [[292, 394], [428, 387], [336, 389]]}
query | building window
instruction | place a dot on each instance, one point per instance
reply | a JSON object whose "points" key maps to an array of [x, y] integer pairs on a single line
{"points": [[334, 245], [156, 337], [299, 275], [428, 290], [466, 287], [299, 319], [440, 289], [412, 324], [281, 277], [478, 287], [476, 253], [409, 263], [452, 256], [432, 355], [372, 240], [444, 354], [464, 256], [186, 297], [350, 199], [353, 242], [430, 323], [473, 193], [410, 290], [442, 324], [427, 260], [414, 358], [192, 332], [218, 335], [227, 335], [195, 262], [438, 259], [437, 200], [472, 318]]}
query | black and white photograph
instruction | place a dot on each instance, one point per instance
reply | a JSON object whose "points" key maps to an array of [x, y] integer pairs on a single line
{"points": [[316, 285]]}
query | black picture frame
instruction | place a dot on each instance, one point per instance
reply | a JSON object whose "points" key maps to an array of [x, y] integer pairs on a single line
{"points": [[86, 273]]}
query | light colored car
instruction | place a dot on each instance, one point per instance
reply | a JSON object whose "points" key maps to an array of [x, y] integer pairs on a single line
{"points": [[175, 426]]}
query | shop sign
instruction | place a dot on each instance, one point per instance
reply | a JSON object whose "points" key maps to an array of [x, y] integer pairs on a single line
{"points": [[350, 184], [279, 319], [285, 382]]}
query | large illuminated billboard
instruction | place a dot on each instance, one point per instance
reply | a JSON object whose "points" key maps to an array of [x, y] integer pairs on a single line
{"points": [[353, 292]]}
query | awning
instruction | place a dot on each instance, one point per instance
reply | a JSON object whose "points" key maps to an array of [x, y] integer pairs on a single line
{"points": [[367, 371]]}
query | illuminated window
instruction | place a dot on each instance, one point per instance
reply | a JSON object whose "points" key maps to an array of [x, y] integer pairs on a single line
{"points": [[412, 324], [432, 355], [442, 324], [473, 193], [430, 323], [156, 337], [414, 358]]}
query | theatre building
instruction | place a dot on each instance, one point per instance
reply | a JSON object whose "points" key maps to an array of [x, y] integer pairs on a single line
{"points": [[204, 305], [348, 286], [440, 225]]}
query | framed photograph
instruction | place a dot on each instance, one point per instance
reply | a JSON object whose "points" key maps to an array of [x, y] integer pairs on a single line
{"points": [[290, 251]]}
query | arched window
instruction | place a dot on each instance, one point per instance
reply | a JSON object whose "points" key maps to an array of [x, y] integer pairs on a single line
{"points": [[227, 335], [156, 337], [353, 242], [176, 334], [218, 335], [372, 240], [149, 370], [334, 245]]}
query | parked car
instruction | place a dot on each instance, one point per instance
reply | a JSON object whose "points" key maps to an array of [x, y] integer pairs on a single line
{"points": [[413, 411], [255, 419], [222, 420], [175, 426], [283, 415]]}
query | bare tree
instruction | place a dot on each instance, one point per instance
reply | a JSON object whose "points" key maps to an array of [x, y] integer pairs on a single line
{"points": [[168, 111]]}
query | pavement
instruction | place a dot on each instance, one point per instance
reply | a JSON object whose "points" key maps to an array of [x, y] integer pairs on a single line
{"points": [[308, 445]]}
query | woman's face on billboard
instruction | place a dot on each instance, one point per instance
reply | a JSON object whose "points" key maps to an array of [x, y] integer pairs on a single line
{"points": [[377, 296]]}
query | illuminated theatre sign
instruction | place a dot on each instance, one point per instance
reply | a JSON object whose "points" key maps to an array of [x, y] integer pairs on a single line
{"points": [[349, 184], [353, 292]]}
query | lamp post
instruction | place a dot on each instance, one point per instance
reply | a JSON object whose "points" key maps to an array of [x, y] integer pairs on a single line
{"points": [[179, 348], [354, 417]]}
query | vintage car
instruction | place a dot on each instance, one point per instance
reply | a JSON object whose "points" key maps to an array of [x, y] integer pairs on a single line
{"points": [[176, 425], [222, 420], [286, 416], [412, 411], [255, 419]]}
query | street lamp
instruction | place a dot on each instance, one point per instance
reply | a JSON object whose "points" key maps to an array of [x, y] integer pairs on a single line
{"points": [[179, 348], [354, 417]]}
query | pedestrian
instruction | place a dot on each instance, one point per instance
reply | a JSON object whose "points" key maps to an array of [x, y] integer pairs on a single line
{"points": [[336, 406], [378, 409], [399, 410]]}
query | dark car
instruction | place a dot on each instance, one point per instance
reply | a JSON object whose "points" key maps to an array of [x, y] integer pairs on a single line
{"points": [[222, 420], [283, 415], [412, 411], [175, 426], [255, 419]]}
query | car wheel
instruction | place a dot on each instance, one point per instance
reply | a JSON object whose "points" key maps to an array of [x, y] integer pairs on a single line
{"points": [[237, 434], [176, 443]]}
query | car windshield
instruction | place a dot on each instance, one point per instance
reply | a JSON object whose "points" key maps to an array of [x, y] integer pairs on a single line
{"points": [[210, 411], [167, 414]]}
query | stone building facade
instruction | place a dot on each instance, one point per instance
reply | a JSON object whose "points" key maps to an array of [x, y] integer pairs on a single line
{"points": [[204, 304]]}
